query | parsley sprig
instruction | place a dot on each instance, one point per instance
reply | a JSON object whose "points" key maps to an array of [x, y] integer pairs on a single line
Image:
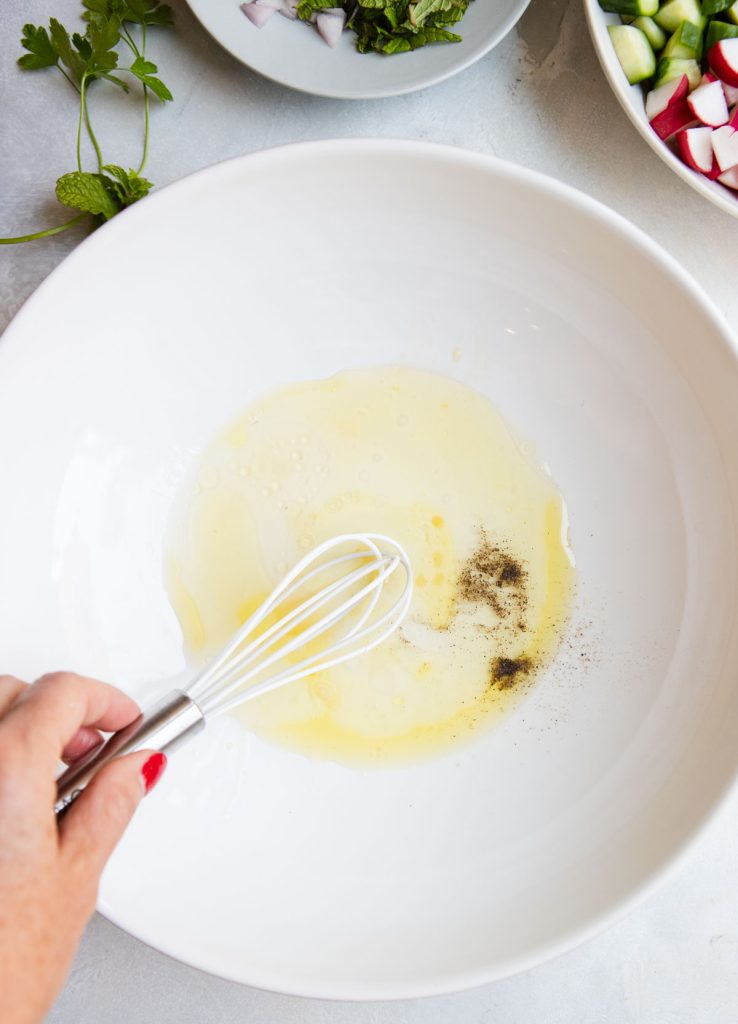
{"points": [[84, 59]]}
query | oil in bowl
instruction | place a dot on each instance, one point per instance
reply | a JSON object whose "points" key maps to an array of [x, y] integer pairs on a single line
{"points": [[421, 458]]}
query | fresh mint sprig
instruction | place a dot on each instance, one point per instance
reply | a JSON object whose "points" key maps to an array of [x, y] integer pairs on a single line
{"points": [[89, 57]]}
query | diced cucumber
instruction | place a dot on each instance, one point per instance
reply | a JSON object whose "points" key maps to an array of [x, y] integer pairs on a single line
{"points": [[718, 30], [670, 68], [710, 7], [652, 32], [631, 7], [686, 42], [732, 13], [671, 14], [634, 52]]}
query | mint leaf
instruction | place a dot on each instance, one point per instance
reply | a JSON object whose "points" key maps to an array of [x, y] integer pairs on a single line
{"points": [[127, 186], [449, 11], [87, 192], [41, 53], [398, 26], [307, 8]]}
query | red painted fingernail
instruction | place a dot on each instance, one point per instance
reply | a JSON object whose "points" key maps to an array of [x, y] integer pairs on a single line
{"points": [[153, 770]]}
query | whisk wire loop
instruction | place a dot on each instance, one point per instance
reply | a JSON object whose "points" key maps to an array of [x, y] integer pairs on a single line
{"points": [[224, 683], [276, 632]]}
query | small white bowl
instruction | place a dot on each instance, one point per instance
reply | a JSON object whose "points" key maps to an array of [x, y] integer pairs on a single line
{"points": [[293, 54], [632, 100]]}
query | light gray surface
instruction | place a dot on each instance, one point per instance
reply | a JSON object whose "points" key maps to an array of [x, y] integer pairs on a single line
{"points": [[541, 100]]}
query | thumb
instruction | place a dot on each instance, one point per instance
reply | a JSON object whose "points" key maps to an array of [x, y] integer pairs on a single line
{"points": [[93, 825]]}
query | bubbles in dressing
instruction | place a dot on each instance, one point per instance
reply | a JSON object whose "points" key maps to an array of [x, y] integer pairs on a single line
{"points": [[428, 461]]}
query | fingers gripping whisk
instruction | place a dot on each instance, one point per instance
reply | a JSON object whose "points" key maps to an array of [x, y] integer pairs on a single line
{"points": [[344, 598]]}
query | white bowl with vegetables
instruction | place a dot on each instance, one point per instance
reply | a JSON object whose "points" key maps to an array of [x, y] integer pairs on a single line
{"points": [[315, 45], [673, 64]]}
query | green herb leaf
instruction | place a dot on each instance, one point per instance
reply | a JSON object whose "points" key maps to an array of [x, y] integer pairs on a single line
{"points": [[307, 8], [149, 12], [145, 71], [102, 38], [398, 26], [127, 186], [86, 192], [115, 80], [41, 53], [67, 54]]}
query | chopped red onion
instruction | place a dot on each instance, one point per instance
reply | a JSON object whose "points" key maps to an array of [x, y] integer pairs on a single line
{"points": [[257, 12], [330, 24]]}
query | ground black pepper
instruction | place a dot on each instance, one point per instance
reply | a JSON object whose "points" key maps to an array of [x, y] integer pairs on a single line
{"points": [[506, 672], [496, 579]]}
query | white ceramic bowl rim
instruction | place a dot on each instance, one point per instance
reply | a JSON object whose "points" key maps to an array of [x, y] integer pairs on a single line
{"points": [[564, 194]]}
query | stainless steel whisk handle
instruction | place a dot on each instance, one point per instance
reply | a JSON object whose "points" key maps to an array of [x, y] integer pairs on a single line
{"points": [[163, 727]]}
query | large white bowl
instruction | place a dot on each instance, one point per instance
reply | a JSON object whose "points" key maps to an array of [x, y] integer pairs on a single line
{"points": [[295, 55], [312, 878], [633, 101]]}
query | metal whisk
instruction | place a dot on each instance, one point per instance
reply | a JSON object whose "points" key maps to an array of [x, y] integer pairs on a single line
{"points": [[339, 592]]}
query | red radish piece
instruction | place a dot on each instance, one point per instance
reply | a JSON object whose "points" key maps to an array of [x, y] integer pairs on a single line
{"points": [[725, 147], [672, 120], [257, 13], [331, 25], [289, 9], [708, 105], [659, 99], [695, 147], [733, 122], [708, 77], [731, 93], [723, 59], [730, 178]]}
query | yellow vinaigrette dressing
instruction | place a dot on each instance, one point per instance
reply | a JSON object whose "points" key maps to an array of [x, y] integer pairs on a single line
{"points": [[431, 463]]}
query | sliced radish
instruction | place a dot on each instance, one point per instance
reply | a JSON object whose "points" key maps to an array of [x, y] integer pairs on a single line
{"points": [[331, 25], [672, 120], [695, 147], [730, 178], [708, 105], [733, 122], [725, 147], [714, 171], [257, 13], [731, 93], [289, 9], [723, 59], [709, 77], [671, 92]]}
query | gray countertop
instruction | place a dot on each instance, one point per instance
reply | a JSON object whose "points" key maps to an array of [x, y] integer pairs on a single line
{"points": [[541, 100]]}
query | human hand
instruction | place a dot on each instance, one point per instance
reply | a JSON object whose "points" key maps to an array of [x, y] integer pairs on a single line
{"points": [[49, 871]]}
